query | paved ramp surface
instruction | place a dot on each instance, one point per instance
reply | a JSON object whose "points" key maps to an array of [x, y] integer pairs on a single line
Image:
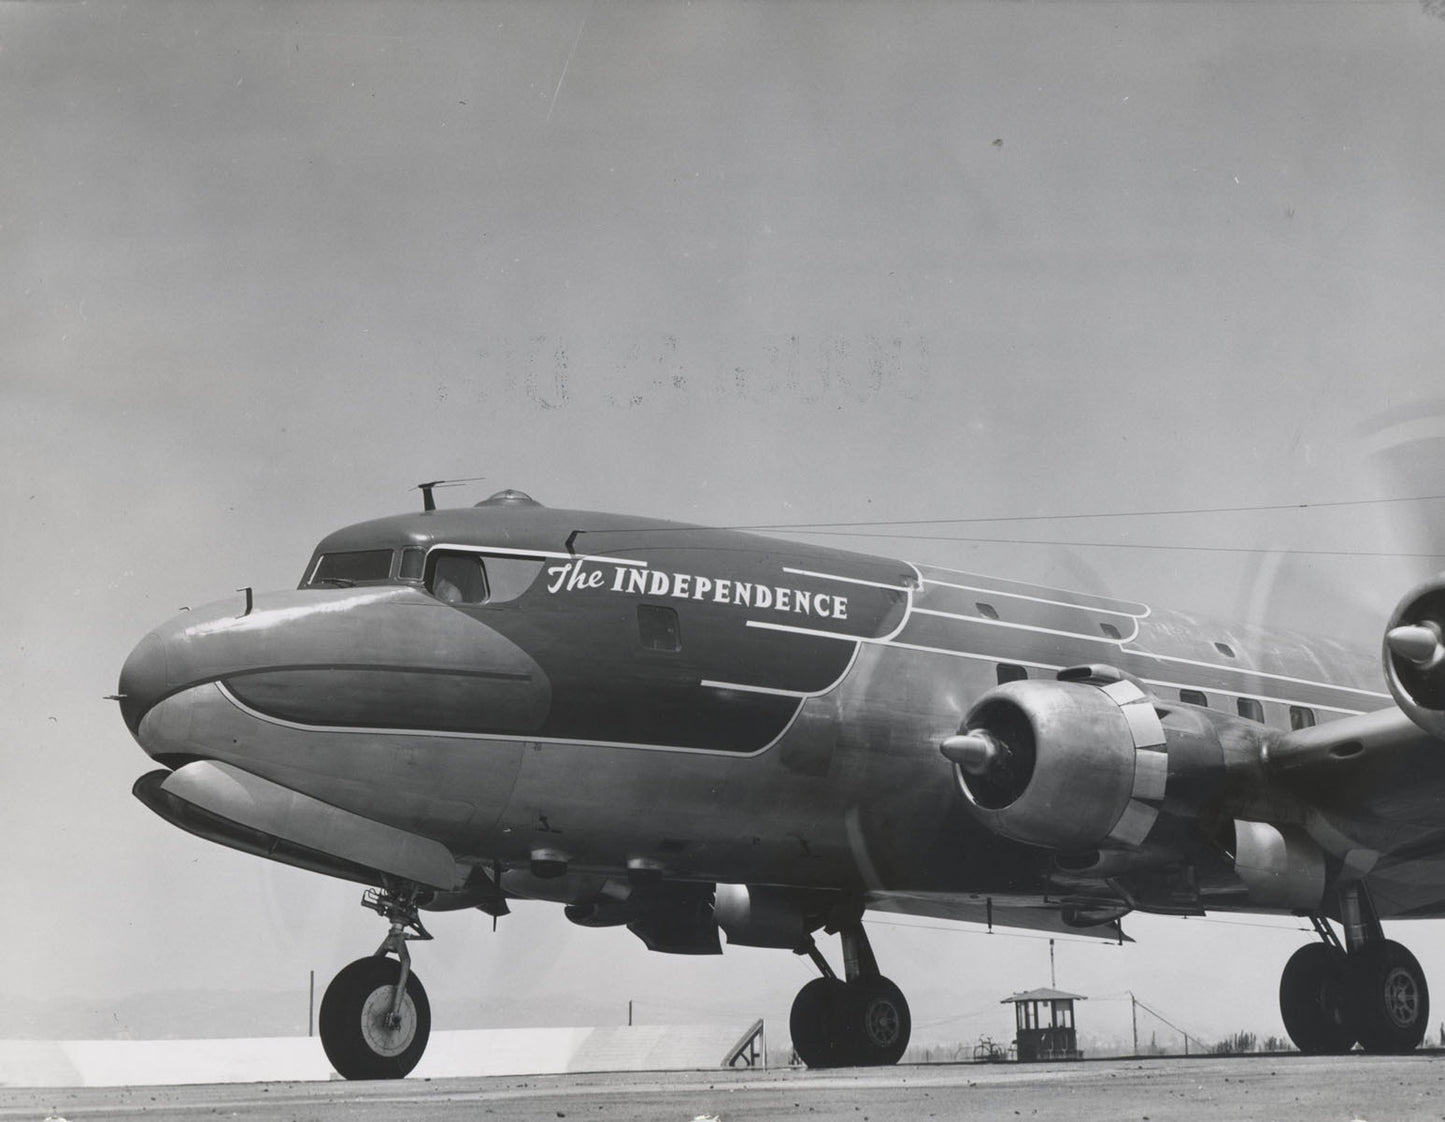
{"points": [[1377, 1089]]}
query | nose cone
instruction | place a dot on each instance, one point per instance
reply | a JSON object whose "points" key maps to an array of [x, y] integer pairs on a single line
{"points": [[144, 680]]}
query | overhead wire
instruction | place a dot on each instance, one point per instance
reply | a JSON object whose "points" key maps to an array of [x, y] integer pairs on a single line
{"points": [[1100, 514], [891, 528]]}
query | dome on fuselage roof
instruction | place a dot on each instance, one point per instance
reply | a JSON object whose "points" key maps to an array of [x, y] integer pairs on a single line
{"points": [[510, 497]]}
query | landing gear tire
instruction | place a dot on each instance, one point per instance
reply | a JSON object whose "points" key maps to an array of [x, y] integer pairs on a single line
{"points": [[361, 1037], [883, 1022], [820, 1024], [1390, 1003], [1315, 1001], [863, 1023]]}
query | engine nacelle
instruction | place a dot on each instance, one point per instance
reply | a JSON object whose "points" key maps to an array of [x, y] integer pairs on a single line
{"points": [[1071, 765], [1414, 655], [1083, 763]]}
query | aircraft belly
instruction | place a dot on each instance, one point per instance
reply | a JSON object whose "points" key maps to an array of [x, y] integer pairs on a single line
{"points": [[691, 815]]}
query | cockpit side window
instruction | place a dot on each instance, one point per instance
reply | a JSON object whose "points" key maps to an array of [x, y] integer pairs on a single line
{"points": [[472, 578], [458, 578], [413, 562], [356, 566]]}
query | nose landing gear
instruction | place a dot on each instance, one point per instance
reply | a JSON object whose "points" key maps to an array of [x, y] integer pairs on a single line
{"points": [[375, 1017], [862, 1022]]}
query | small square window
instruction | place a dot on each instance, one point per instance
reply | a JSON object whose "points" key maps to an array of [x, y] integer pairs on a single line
{"points": [[1301, 718], [1250, 709], [1008, 672], [658, 627], [413, 564], [1194, 697]]}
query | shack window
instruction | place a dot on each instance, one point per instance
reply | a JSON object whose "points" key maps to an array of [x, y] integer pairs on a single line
{"points": [[355, 566], [658, 628]]}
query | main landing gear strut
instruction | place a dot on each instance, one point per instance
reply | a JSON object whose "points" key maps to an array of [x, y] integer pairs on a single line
{"points": [[863, 1021], [1369, 990], [375, 1017]]}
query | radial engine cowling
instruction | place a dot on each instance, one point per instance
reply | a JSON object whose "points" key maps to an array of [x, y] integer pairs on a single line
{"points": [[1415, 655], [1070, 765]]}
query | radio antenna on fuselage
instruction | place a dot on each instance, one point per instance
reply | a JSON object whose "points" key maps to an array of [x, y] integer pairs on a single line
{"points": [[428, 503]]}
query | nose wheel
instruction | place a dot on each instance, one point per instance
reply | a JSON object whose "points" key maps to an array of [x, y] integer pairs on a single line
{"points": [[375, 1017]]}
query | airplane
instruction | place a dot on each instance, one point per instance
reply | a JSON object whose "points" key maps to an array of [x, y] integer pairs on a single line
{"points": [[693, 731]]}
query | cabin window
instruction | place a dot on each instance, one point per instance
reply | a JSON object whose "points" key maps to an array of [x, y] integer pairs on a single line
{"points": [[1110, 631], [1301, 718], [1225, 649], [1250, 709], [988, 611], [356, 566], [413, 564], [1008, 672], [658, 627], [1194, 697], [474, 578]]}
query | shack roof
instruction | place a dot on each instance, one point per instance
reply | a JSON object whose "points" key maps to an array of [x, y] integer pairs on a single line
{"points": [[1043, 995]]}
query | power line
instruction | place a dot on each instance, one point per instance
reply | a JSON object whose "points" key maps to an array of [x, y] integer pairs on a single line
{"points": [[1097, 514], [1099, 545]]}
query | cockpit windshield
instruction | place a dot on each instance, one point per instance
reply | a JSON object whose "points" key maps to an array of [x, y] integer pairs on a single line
{"points": [[357, 566]]}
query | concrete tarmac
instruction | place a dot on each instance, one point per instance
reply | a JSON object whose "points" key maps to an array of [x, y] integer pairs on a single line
{"points": [[1268, 1088]]}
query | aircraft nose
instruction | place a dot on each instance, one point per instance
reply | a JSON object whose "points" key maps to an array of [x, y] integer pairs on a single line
{"points": [[144, 680]]}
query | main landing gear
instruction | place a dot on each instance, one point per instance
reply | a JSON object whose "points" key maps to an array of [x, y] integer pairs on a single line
{"points": [[375, 1017], [863, 1021], [1372, 993]]}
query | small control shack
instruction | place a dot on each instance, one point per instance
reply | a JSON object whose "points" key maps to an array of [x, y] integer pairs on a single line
{"points": [[1045, 1020]]}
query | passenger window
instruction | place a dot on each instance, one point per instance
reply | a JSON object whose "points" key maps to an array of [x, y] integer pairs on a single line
{"points": [[1194, 697], [658, 628], [1250, 709], [1301, 718], [357, 566], [1008, 672]]}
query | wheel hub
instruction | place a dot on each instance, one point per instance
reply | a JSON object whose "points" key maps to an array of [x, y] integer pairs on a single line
{"points": [[385, 1035], [881, 1022], [1402, 998]]}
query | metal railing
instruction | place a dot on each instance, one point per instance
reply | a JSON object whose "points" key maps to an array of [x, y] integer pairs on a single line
{"points": [[751, 1049]]}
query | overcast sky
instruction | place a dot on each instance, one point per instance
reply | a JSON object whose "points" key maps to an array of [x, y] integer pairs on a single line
{"points": [[267, 266]]}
